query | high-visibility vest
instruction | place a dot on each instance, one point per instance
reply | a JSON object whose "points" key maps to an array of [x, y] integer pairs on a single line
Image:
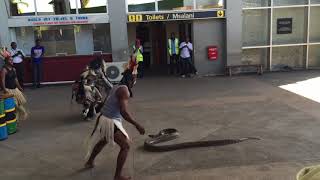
{"points": [[139, 55], [176, 43]]}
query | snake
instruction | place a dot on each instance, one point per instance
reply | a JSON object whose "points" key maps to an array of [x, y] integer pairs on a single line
{"points": [[152, 143]]}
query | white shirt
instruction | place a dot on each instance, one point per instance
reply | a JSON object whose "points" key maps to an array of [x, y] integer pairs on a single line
{"points": [[17, 59], [186, 48]]}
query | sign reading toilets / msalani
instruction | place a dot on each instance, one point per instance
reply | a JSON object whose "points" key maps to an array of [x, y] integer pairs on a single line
{"points": [[149, 17]]}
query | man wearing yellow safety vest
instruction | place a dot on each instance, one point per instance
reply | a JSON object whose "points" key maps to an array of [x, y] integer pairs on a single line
{"points": [[138, 52], [173, 49]]}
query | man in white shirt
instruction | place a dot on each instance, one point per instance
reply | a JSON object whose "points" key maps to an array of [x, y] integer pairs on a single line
{"points": [[187, 67], [18, 56]]}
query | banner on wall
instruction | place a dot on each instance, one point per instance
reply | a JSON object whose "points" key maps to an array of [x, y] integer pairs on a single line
{"points": [[57, 20], [149, 17]]}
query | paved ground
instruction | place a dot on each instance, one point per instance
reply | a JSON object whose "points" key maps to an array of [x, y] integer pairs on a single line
{"points": [[50, 144]]}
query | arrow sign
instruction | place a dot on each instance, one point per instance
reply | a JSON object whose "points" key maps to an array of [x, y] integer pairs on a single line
{"points": [[220, 13]]}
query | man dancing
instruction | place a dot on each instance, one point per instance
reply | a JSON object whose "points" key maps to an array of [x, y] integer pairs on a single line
{"points": [[109, 129]]}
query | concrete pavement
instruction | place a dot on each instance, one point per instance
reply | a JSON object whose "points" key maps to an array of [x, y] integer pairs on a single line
{"points": [[50, 145]]}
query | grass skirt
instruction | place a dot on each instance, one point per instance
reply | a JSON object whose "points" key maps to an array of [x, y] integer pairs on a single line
{"points": [[103, 131], [20, 102]]}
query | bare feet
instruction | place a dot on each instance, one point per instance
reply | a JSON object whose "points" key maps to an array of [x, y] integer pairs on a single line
{"points": [[122, 178], [89, 165]]}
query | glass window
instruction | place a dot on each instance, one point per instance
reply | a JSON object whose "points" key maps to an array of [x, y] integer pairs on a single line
{"points": [[68, 39], [92, 37], [56, 39], [315, 24], [22, 7], [175, 5], [209, 4], [53, 7], [141, 5], [289, 2], [315, 1], [256, 56], [289, 25], [48, 7], [293, 56], [101, 38], [256, 3], [92, 6], [25, 39], [256, 27], [314, 56]]}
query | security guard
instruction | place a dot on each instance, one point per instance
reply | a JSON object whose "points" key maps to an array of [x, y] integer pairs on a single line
{"points": [[138, 52], [173, 49]]}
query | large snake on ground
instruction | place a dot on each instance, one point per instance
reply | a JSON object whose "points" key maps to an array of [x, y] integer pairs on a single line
{"points": [[170, 134]]}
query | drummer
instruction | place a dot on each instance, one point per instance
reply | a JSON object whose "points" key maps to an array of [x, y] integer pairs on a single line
{"points": [[109, 127], [10, 85]]}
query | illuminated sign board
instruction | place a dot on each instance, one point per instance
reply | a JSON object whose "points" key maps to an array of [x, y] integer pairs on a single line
{"points": [[175, 16]]}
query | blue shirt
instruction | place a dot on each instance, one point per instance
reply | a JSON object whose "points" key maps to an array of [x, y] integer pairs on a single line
{"points": [[37, 53], [173, 46]]}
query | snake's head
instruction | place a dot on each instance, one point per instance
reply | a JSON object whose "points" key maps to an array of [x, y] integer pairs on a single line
{"points": [[250, 138]]}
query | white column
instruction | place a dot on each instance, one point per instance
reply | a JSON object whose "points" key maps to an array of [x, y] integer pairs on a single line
{"points": [[118, 30], [271, 36], [234, 31], [308, 35], [5, 38]]}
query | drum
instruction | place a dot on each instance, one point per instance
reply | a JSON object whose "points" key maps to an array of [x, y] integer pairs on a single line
{"points": [[10, 111], [3, 124], [11, 121], [9, 103]]}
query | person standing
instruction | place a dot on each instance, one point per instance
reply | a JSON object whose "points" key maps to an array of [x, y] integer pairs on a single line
{"points": [[37, 53], [173, 49], [187, 66], [138, 53], [18, 57], [109, 128]]}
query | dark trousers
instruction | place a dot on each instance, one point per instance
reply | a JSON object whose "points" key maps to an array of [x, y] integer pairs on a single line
{"points": [[174, 66], [141, 69], [187, 66], [192, 68], [37, 73], [184, 66], [20, 72]]}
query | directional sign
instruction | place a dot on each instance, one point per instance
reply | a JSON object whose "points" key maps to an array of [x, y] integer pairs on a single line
{"points": [[148, 17], [220, 14]]}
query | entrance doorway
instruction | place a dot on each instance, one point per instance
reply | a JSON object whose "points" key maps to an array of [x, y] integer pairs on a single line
{"points": [[154, 37]]}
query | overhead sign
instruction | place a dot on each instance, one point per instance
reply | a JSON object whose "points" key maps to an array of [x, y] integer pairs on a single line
{"points": [[175, 16], [284, 26], [57, 20]]}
